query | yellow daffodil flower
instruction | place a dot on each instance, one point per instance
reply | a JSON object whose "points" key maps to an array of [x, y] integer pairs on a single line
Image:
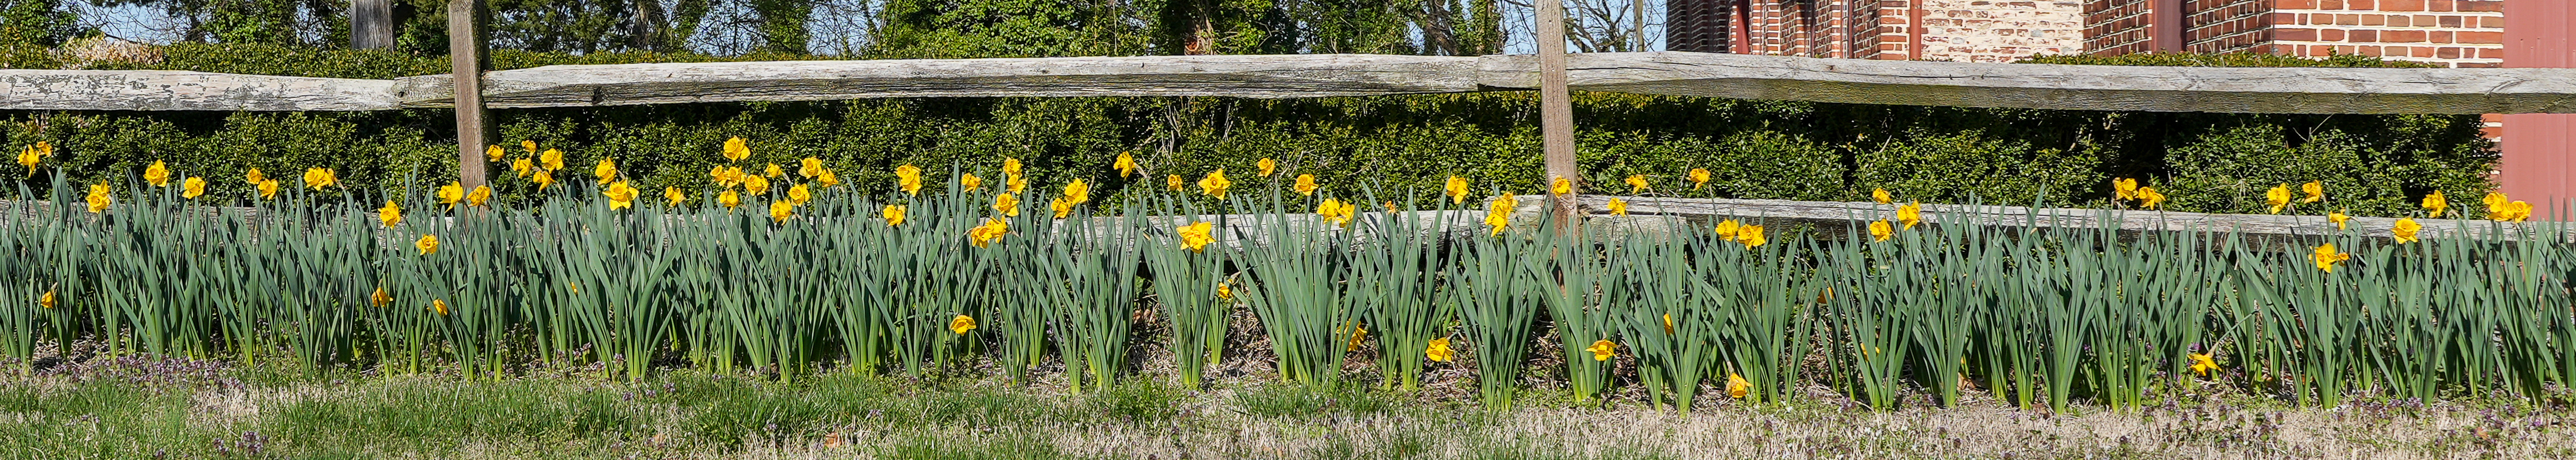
{"points": [[529, 144], [755, 185], [268, 189], [2149, 198], [2315, 190], [2326, 257], [1457, 189], [1007, 204], [495, 153], [1010, 166], [2404, 230], [1698, 178], [2124, 189], [810, 167], [158, 174], [782, 210], [1196, 236], [450, 194], [481, 195], [1881, 196], [438, 306], [2435, 203], [1077, 192], [1215, 184], [99, 197], [543, 178], [522, 167], [1060, 207], [1225, 290], [894, 214], [1305, 185], [1359, 334], [1439, 350], [1126, 164], [381, 298], [1881, 231], [729, 199], [1561, 186], [674, 196], [1617, 207], [2519, 209], [827, 179], [254, 177], [1267, 166], [1636, 183], [1910, 214], [1727, 229], [427, 244], [1498, 213], [985, 235], [799, 195], [317, 178], [1335, 211], [47, 301], [1668, 324], [1174, 182], [1737, 387], [1014, 183], [606, 170], [2277, 197], [552, 159], [620, 195], [736, 149], [28, 157], [1751, 236], [961, 324], [391, 214], [2203, 363], [192, 188], [2338, 218], [773, 172], [1602, 350], [969, 181]]}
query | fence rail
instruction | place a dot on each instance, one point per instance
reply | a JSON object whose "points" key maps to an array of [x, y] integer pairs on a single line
{"points": [[2034, 86]]}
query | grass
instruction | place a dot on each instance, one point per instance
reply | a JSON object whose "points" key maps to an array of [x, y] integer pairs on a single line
{"points": [[137, 408]]}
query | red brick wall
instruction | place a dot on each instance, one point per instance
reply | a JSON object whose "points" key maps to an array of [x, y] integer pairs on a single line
{"points": [[2226, 26], [2459, 33], [2118, 27], [1819, 28]]}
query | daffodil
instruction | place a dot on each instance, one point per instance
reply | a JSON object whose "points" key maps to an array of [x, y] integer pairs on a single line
{"points": [[521, 167], [1014, 183], [47, 301], [1335, 211], [2124, 189], [2202, 363], [810, 167], [1196, 236], [966, 181], [985, 235], [1439, 350], [1751, 236], [1737, 387], [427, 244], [552, 159], [1007, 204], [755, 185], [1225, 290], [894, 214], [799, 195], [782, 210], [1077, 192], [158, 174], [606, 170], [729, 199], [673, 195], [1267, 166], [2519, 210], [1602, 350], [827, 179], [1126, 164], [620, 195], [391, 214], [1727, 229], [482, 194], [543, 178], [450, 194], [99, 197], [1618, 207], [1174, 182], [192, 188], [2315, 190], [1668, 324], [1636, 183], [1305, 185], [773, 172], [495, 153], [529, 144], [268, 189], [2338, 218], [1215, 184], [1457, 189], [1060, 207], [1881, 196], [1010, 166], [961, 324], [254, 177], [28, 157], [2149, 198], [381, 298], [2277, 197], [1910, 214], [1359, 334], [1498, 213], [1881, 231], [1561, 186], [2435, 203], [1698, 178], [2404, 230], [2326, 257], [736, 149], [317, 178], [438, 306]]}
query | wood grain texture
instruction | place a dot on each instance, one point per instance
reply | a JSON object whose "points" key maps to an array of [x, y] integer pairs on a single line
{"points": [[181, 90], [2065, 87], [1275, 76]]}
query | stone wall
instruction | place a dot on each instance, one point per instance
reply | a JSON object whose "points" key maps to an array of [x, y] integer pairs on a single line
{"points": [[2000, 30]]}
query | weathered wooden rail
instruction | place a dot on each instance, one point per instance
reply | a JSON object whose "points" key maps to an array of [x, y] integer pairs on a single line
{"points": [[2035, 86]]}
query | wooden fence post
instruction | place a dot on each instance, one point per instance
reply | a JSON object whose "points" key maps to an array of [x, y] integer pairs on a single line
{"points": [[371, 24], [465, 54], [1555, 113]]}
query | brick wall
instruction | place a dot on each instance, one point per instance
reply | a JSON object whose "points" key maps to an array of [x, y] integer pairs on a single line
{"points": [[2000, 30], [2118, 27], [2458, 33], [2226, 26], [1819, 28]]}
